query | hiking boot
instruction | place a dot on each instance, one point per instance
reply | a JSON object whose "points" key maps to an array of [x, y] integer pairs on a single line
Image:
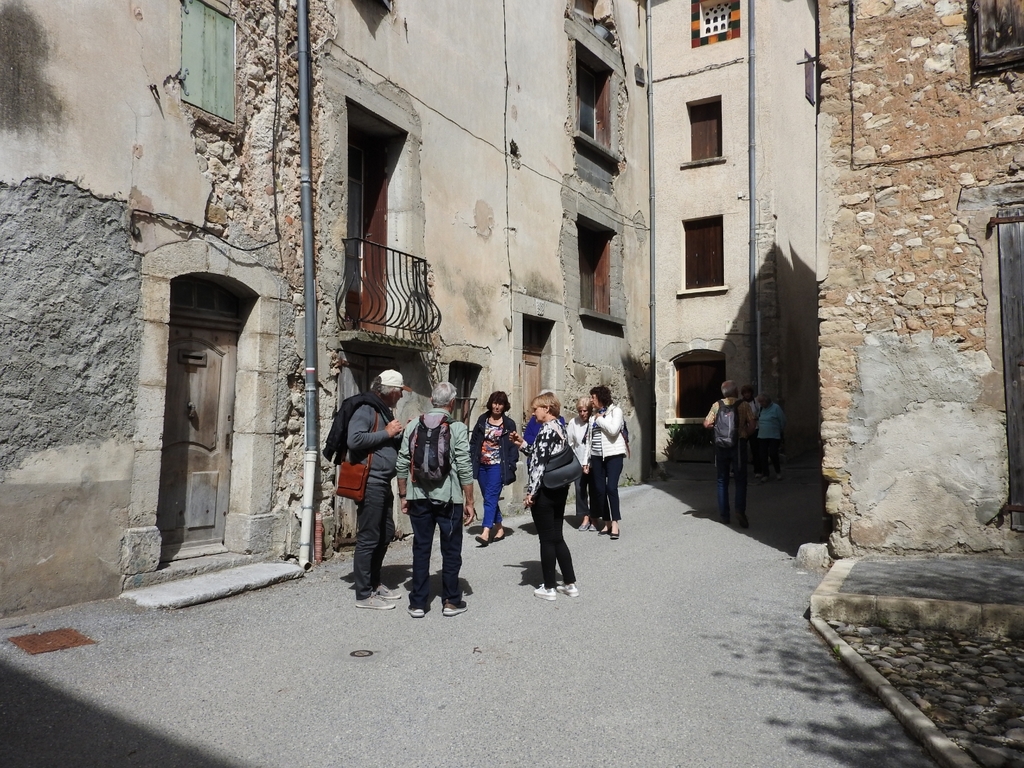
{"points": [[416, 613], [545, 594], [569, 590], [374, 602], [387, 594], [454, 609]]}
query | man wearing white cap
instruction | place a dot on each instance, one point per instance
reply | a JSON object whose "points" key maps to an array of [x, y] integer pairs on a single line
{"points": [[374, 432]]}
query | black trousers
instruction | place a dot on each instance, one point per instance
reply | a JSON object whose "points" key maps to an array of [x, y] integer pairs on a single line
{"points": [[548, 514]]}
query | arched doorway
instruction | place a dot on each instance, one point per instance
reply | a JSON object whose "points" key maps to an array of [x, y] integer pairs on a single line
{"points": [[198, 418]]}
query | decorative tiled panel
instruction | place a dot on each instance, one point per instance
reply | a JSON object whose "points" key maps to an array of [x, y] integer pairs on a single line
{"points": [[714, 21]]}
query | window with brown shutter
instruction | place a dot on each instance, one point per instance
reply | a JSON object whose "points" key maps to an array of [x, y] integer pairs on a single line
{"points": [[705, 130], [595, 258], [998, 32], [704, 265], [699, 378]]}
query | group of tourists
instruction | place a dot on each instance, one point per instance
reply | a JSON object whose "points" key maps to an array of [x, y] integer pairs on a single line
{"points": [[436, 461], [744, 425]]}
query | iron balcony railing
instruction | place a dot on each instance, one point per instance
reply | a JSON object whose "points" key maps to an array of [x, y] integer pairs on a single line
{"points": [[385, 291]]}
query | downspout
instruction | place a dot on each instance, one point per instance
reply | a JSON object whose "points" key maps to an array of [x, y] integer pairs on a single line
{"points": [[652, 300], [755, 317], [311, 456]]}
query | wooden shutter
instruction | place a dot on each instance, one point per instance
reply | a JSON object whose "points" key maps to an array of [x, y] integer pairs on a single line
{"points": [[586, 100], [998, 31], [602, 111], [704, 264], [595, 271], [208, 59], [698, 385], [706, 130], [1011, 294]]}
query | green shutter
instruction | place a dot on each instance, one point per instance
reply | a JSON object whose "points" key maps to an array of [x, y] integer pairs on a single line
{"points": [[208, 59]]}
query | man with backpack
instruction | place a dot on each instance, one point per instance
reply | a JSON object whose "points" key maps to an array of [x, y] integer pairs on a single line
{"points": [[366, 427], [733, 423], [435, 485]]}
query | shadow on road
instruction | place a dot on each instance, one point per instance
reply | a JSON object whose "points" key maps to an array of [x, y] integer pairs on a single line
{"points": [[42, 727]]}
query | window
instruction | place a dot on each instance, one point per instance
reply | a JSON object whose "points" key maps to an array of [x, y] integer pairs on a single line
{"points": [[593, 112], [704, 253], [998, 32], [705, 130], [463, 377], [714, 21], [595, 258], [699, 377], [585, 7], [208, 59]]}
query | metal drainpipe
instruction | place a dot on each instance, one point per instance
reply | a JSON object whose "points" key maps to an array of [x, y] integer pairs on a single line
{"points": [[310, 458], [755, 318], [653, 297]]}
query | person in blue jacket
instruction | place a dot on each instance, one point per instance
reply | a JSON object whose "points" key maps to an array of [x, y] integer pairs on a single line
{"points": [[771, 423], [494, 458]]}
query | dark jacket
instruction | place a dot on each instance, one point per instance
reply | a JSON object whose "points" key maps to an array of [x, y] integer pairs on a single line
{"points": [[508, 450], [336, 446]]}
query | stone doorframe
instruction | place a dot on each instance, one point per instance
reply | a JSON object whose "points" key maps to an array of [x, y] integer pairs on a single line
{"points": [[249, 525]]}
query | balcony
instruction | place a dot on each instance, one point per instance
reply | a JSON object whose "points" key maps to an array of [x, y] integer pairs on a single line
{"points": [[384, 296]]}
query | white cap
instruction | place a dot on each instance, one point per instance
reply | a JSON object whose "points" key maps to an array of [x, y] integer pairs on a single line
{"points": [[392, 378]]}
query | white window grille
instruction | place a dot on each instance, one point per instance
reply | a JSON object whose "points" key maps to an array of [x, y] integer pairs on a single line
{"points": [[714, 18]]}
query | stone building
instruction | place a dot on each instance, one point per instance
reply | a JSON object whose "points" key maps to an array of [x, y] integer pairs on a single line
{"points": [[920, 323], [481, 215], [721, 312]]}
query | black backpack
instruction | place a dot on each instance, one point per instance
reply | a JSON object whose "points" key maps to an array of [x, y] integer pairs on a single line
{"points": [[430, 449], [726, 424], [336, 445]]}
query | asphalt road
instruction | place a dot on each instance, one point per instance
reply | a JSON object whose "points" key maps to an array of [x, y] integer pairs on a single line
{"points": [[688, 647]]}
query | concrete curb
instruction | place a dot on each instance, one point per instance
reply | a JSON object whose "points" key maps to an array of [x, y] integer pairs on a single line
{"points": [[945, 752], [830, 604], [213, 586]]}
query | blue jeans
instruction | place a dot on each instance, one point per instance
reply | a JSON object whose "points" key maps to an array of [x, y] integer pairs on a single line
{"points": [[605, 472], [584, 494], [424, 515], [490, 488], [727, 459], [375, 528]]}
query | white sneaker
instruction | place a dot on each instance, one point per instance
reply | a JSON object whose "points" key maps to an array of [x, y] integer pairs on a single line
{"points": [[417, 613], [374, 602], [569, 590], [387, 594], [545, 594]]}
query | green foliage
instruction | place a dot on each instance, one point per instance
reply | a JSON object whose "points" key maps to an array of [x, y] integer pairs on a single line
{"points": [[687, 436]]}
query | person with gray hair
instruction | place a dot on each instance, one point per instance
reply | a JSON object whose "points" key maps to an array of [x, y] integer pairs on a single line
{"points": [[732, 422], [374, 436], [444, 501]]}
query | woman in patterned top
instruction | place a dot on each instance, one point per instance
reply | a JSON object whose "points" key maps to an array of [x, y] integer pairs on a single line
{"points": [[494, 462], [548, 504]]}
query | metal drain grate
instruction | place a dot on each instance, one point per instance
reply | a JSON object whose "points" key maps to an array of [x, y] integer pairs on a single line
{"points": [[56, 640]]}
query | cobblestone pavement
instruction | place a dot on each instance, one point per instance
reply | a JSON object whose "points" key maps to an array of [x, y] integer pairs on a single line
{"points": [[971, 687]]}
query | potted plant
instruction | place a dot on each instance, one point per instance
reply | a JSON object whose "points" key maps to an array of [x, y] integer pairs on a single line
{"points": [[689, 442]]}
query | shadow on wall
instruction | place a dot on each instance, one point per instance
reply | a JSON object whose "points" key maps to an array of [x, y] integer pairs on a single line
{"points": [[638, 389], [41, 726]]}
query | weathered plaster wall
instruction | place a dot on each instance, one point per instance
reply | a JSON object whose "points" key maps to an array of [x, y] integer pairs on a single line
{"points": [[911, 392], [71, 346]]}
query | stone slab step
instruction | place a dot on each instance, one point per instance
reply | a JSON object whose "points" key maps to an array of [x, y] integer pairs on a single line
{"points": [[213, 586]]}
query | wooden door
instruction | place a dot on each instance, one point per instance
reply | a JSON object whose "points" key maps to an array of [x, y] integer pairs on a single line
{"points": [[373, 207], [1011, 289], [196, 460], [535, 339]]}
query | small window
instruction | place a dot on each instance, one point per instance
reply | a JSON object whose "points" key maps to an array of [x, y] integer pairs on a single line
{"points": [[463, 376], [705, 130], [714, 21], [593, 111], [208, 59], [704, 253], [699, 378], [595, 257], [998, 32], [585, 7]]}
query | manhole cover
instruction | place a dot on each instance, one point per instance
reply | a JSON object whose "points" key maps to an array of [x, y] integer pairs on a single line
{"points": [[361, 654], [57, 640]]}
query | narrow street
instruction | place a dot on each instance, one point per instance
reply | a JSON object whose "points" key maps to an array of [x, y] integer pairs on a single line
{"points": [[687, 647]]}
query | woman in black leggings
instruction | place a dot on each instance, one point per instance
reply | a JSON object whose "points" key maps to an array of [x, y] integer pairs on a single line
{"points": [[547, 505]]}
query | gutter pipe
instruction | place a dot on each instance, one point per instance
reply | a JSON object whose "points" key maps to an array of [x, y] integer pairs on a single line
{"points": [[755, 316], [652, 300], [311, 455]]}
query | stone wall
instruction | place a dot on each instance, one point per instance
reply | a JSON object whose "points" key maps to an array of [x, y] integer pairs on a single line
{"points": [[911, 387]]}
